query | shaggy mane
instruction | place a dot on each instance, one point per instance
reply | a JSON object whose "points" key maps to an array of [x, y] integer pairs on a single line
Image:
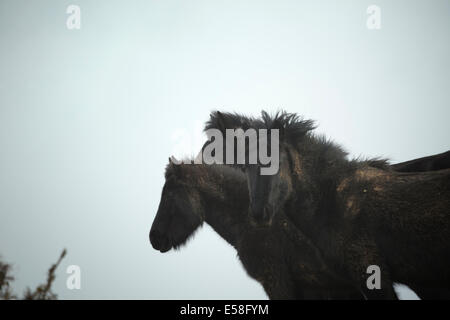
{"points": [[228, 120], [292, 126]]}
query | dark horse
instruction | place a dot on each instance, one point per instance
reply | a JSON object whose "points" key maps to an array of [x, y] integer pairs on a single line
{"points": [[430, 163], [279, 257], [358, 213]]}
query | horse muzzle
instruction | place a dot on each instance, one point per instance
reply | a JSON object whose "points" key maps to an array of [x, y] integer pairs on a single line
{"points": [[159, 241]]}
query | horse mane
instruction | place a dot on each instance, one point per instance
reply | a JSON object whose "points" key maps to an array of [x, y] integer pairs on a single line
{"points": [[377, 162], [292, 126], [228, 120], [293, 129]]}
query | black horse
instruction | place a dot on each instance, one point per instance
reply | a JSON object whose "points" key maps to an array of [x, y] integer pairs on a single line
{"points": [[280, 257], [430, 163], [358, 213]]}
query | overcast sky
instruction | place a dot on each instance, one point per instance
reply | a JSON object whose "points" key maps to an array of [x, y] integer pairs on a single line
{"points": [[89, 117]]}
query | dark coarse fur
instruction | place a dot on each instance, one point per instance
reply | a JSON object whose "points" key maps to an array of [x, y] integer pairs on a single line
{"points": [[361, 213], [279, 257], [430, 163], [222, 121]]}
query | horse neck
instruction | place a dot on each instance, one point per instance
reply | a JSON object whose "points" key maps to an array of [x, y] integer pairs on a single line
{"points": [[308, 164], [224, 195]]}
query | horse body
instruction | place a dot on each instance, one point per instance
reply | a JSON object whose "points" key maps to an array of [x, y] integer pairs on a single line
{"points": [[346, 216], [375, 216], [358, 213], [280, 257], [407, 217], [361, 213], [430, 163]]}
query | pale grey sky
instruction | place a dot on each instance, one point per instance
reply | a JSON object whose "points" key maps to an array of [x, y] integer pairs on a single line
{"points": [[88, 118]]}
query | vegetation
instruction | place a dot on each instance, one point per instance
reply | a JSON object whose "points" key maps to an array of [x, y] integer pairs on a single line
{"points": [[41, 292]]}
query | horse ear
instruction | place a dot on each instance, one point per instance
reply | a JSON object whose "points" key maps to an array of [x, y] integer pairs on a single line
{"points": [[174, 166], [174, 161]]}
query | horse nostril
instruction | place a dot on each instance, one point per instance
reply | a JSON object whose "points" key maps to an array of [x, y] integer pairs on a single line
{"points": [[159, 241]]}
